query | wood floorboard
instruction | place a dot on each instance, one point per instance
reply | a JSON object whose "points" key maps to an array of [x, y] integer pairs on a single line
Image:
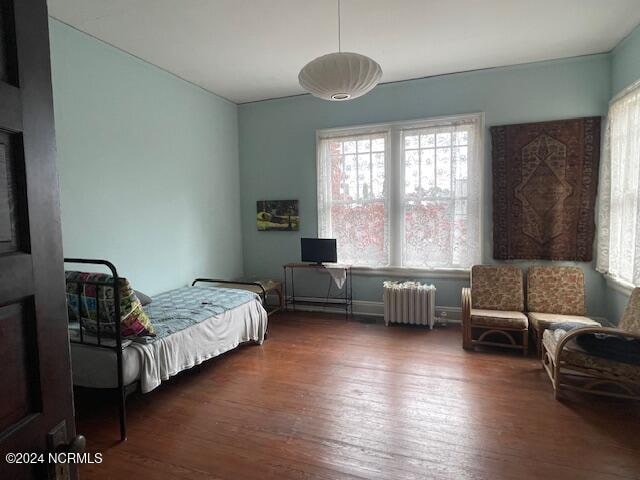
{"points": [[324, 398]]}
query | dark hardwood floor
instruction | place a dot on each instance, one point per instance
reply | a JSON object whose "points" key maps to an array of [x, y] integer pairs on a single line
{"points": [[329, 399]]}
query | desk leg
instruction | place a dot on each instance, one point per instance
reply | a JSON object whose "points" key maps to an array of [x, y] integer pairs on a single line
{"points": [[293, 291], [346, 296], [278, 291], [284, 271], [350, 300]]}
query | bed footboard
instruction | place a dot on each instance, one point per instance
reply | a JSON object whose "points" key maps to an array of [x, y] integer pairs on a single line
{"points": [[261, 290]]}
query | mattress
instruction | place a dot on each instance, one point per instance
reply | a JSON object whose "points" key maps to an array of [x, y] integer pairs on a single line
{"points": [[190, 330]]}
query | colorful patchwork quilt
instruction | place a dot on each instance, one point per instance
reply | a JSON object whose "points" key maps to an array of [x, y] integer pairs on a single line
{"points": [[90, 297]]}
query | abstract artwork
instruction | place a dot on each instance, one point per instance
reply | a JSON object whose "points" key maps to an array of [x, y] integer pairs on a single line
{"points": [[279, 215], [545, 178]]}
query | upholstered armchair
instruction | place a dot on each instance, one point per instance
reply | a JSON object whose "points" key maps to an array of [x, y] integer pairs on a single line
{"points": [[492, 309], [571, 367], [555, 295]]}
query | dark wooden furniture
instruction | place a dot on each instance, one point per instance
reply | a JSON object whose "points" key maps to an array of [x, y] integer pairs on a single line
{"points": [[328, 399], [492, 309], [344, 301], [555, 294], [571, 368], [36, 407]]}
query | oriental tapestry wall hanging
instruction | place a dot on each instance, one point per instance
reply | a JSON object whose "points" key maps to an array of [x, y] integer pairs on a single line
{"points": [[545, 177]]}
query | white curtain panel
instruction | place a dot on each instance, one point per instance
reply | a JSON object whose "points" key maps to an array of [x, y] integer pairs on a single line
{"points": [[352, 196], [619, 203], [441, 189]]}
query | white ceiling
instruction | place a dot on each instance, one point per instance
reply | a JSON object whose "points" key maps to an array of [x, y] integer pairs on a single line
{"points": [[247, 50]]}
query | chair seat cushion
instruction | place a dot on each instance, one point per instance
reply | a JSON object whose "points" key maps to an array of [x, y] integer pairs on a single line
{"points": [[566, 326], [498, 319], [542, 321], [573, 355]]}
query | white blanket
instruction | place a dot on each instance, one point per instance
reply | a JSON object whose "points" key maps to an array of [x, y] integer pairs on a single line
{"points": [[157, 361]]}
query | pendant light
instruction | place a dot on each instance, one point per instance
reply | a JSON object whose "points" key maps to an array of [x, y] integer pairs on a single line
{"points": [[341, 75]]}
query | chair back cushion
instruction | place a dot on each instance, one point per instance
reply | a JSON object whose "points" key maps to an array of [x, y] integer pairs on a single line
{"points": [[630, 321], [497, 287], [557, 290]]}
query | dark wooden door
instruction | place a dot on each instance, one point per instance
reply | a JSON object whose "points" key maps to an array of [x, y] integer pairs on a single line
{"points": [[35, 380]]}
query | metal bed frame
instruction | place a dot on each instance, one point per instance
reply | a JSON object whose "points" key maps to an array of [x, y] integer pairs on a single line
{"points": [[270, 309], [117, 349], [123, 391], [263, 295]]}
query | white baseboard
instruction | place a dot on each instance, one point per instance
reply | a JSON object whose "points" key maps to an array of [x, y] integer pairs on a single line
{"points": [[367, 308], [444, 314]]}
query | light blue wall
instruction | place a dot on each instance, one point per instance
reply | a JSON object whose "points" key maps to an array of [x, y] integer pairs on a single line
{"points": [[625, 70], [148, 166], [616, 303], [625, 62], [277, 138], [131, 134]]}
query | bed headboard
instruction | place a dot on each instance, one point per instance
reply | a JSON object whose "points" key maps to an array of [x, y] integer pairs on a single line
{"points": [[114, 283], [117, 348]]}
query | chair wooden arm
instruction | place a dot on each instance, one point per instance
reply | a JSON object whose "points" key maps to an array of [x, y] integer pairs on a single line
{"points": [[466, 318], [584, 330], [466, 303]]}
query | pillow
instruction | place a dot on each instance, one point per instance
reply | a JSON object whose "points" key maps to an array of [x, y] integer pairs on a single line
{"points": [[93, 300], [144, 299], [611, 347]]}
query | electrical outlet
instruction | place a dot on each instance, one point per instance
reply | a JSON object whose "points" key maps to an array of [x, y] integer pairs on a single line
{"points": [[442, 318]]}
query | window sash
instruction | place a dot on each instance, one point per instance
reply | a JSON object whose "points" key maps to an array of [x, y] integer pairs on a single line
{"points": [[445, 146], [395, 200], [328, 199]]}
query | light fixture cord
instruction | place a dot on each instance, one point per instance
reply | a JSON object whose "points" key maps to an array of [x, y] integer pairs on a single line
{"points": [[339, 28]]}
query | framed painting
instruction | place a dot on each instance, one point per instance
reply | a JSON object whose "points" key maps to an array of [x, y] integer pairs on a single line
{"points": [[277, 215]]}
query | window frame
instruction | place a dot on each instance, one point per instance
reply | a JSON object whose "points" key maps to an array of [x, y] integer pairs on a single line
{"points": [[602, 261], [394, 180]]}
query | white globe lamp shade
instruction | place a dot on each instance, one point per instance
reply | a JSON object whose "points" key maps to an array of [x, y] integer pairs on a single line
{"points": [[340, 76]]}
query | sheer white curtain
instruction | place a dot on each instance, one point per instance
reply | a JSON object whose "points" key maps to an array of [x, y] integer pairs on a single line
{"points": [[404, 194], [441, 194], [353, 196], [619, 202]]}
